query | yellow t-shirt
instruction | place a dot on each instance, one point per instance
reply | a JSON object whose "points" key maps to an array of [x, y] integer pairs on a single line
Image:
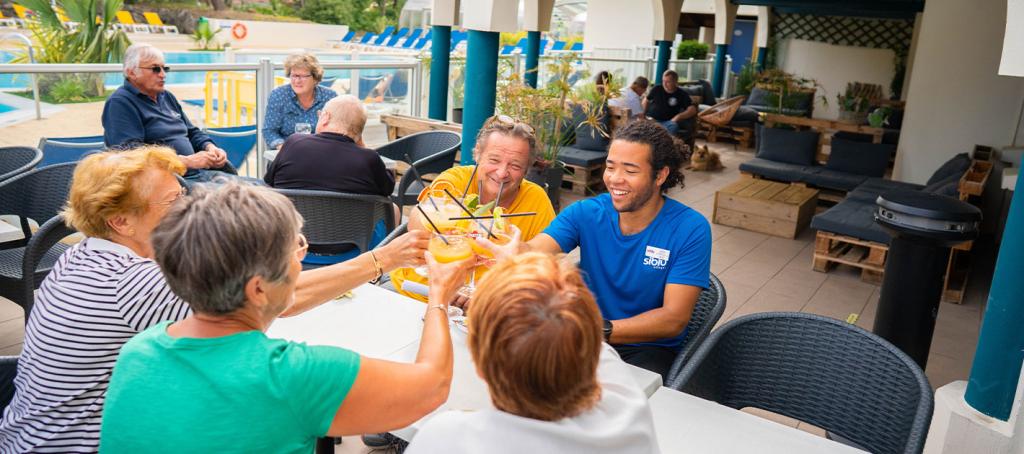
{"points": [[531, 197]]}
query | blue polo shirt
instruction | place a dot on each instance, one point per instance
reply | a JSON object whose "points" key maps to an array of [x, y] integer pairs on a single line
{"points": [[131, 118], [628, 273], [284, 110]]}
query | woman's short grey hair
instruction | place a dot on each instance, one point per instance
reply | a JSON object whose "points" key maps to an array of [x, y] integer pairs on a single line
{"points": [[222, 236], [136, 54], [305, 61]]}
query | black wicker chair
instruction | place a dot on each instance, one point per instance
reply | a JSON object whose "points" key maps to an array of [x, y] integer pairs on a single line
{"points": [[429, 152], [23, 269], [17, 160], [858, 387], [336, 220], [38, 194], [8, 370], [709, 308]]}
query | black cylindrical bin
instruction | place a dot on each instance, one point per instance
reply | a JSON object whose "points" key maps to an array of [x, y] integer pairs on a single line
{"points": [[923, 226]]}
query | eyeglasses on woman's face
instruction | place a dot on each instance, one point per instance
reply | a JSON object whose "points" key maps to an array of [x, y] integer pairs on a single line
{"points": [[166, 203], [299, 77]]}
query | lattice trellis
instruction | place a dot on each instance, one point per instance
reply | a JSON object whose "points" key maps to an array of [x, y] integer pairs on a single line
{"points": [[892, 34]]}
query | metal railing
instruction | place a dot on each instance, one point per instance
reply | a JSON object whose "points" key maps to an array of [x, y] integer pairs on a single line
{"points": [[264, 70]]}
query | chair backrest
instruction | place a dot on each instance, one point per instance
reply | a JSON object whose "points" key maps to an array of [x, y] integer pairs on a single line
{"points": [[367, 37], [819, 370], [153, 19], [125, 17], [41, 242], [427, 151], [337, 218], [576, 47], [237, 142], [559, 45], [59, 150], [397, 36], [38, 194], [421, 44], [412, 38], [708, 310], [348, 36], [8, 371], [384, 35], [22, 12], [17, 160]]}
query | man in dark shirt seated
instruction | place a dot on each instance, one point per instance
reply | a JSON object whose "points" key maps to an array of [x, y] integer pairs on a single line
{"points": [[142, 111], [672, 107], [333, 159]]}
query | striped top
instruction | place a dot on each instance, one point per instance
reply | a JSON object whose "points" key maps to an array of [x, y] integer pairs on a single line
{"points": [[98, 296]]}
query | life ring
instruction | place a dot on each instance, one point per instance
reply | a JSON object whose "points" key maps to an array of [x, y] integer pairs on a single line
{"points": [[239, 31]]}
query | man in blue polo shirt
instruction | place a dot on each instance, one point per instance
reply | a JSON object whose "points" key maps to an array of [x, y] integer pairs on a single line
{"points": [[645, 256], [141, 111]]}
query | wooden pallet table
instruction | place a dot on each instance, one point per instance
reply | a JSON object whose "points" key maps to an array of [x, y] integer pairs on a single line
{"points": [[765, 206]]}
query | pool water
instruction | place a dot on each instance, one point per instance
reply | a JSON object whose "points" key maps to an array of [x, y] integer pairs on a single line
{"points": [[5, 108], [367, 76]]}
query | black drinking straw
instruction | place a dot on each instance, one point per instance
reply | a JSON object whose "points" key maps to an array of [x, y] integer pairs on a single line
{"points": [[416, 173], [470, 213], [470, 182], [434, 226], [510, 215]]}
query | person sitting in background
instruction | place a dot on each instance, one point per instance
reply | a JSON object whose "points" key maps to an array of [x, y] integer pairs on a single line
{"points": [[75, 331], [297, 102], [218, 371], [632, 97], [645, 256], [505, 150], [601, 81], [142, 111], [535, 339], [672, 107], [333, 159]]}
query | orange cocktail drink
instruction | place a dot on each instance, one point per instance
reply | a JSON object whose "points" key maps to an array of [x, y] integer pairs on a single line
{"points": [[458, 248]]}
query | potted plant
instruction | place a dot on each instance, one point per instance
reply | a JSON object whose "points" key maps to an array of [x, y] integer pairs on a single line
{"points": [[457, 88], [786, 93], [590, 113], [879, 117], [549, 111], [855, 102]]}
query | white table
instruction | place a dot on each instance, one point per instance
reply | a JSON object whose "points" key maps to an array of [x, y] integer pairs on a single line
{"points": [[270, 155], [686, 423], [382, 324], [10, 232]]}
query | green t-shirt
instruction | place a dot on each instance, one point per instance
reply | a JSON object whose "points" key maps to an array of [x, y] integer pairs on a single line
{"points": [[238, 393]]}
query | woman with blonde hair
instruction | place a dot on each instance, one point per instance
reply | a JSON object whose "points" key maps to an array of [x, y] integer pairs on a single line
{"points": [[107, 288], [535, 337], [298, 102]]}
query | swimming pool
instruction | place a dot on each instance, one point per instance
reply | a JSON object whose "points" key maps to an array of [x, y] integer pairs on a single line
{"points": [[5, 108], [23, 81]]}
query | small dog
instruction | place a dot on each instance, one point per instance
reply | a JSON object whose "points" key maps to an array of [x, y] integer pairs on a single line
{"points": [[703, 159]]}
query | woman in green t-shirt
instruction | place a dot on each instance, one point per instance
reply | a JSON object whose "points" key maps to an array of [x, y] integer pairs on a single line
{"points": [[214, 382]]}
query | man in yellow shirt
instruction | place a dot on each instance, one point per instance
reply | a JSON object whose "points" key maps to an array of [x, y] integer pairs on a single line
{"points": [[505, 150]]}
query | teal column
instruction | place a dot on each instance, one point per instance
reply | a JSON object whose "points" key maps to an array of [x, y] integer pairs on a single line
{"points": [[762, 53], [440, 43], [532, 58], [664, 54], [997, 359], [481, 84], [716, 79]]}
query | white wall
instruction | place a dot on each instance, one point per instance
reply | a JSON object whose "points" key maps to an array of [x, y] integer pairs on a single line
{"points": [[834, 66], [268, 34], [615, 23], [955, 98]]}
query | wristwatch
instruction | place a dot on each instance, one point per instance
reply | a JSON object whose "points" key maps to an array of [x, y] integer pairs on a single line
{"points": [[607, 330]]}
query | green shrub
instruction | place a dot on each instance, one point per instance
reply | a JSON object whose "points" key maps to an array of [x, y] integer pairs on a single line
{"points": [[68, 89], [692, 48]]}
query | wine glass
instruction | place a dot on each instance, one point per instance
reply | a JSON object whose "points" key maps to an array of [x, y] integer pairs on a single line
{"points": [[303, 128]]}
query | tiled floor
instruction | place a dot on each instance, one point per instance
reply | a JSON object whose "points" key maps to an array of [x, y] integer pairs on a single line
{"points": [[760, 273]]}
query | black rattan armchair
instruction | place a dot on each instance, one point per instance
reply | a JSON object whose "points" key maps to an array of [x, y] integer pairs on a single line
{"points": [[858, 387], [17, 160], [23, 269], [335, 220], [8, 371], [708, 310], [429, 152]]}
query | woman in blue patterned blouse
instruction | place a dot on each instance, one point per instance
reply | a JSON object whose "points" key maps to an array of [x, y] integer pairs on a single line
{"points": [[297, 102]]}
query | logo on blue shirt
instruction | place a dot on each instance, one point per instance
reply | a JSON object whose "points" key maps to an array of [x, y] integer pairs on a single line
{"points": [[656, 258]]}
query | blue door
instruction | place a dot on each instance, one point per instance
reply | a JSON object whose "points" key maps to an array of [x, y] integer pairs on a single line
{"points": [[742, 43]]}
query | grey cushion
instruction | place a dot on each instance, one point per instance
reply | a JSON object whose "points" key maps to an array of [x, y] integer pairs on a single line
{"points": [[946, 186], [744, 115], [784, 145], [777, 170], [758, 97], [582, 158], [852, 218], [871, 188], [868, 159], [831, 179], [589, 139], [956, 165]]}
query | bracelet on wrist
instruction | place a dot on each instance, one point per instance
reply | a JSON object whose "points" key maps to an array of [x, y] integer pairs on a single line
{"points": [[378, 269]]}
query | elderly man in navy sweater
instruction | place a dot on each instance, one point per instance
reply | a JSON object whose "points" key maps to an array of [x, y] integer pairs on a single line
{"points": [[141, 111]]}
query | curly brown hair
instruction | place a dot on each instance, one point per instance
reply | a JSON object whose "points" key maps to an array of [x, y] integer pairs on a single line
{"points": [[666, 150]]}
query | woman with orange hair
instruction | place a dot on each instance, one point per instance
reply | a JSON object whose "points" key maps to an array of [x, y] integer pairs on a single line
{"points": [[535, 337]]}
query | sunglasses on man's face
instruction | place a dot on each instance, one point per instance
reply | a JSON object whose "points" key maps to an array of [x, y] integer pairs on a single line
{"points": [[159, 69]]}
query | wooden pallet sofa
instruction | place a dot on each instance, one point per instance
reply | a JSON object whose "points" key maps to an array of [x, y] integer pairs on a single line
{"points": [[584, 159], [848, 234], [798, 156]]}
